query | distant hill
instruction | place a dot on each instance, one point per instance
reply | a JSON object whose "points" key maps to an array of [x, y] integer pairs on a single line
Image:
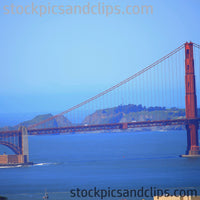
{"points": [[136, 113], [128, 113], [122, 113], [57, 122]]}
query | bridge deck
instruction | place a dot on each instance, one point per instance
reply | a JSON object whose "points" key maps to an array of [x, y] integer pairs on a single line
{"points": [[97, 127]]}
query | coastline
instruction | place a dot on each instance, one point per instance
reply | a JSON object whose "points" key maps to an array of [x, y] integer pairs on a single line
{"points": [[16, 164]]}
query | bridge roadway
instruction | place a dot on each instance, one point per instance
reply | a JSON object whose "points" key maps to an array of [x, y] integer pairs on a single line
{"points": [[98, 127]]}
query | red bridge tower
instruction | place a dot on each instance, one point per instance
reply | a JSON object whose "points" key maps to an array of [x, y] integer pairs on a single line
{"points": [[191, 102]]}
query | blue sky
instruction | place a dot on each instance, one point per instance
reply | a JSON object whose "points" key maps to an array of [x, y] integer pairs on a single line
{"points": [[50, 63]]}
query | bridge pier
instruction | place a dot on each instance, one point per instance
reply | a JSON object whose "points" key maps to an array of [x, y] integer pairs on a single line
{"points": [[24, 144], [19, 144], [192, 139]]}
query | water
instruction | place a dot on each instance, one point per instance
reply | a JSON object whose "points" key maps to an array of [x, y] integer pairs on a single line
{"points": [[115, 160]]}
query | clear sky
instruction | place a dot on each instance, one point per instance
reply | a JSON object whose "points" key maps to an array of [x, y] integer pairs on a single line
{"points": [[50, 63]]}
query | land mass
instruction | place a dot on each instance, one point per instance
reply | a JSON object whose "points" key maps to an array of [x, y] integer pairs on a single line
{"points": [[118, 114], [59, 121], [136, 113]]}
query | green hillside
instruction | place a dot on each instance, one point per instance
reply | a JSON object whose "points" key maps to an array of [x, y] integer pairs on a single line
{"points": [[128, 113]]}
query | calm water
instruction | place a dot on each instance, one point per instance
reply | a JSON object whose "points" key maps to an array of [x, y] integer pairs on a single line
{"points": [[115, 160]]}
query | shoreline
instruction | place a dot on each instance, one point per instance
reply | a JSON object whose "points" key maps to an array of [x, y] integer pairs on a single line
{"points": [[16, 164]]}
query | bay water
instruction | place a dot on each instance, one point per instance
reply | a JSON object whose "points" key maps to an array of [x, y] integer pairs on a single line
{"points": [[128, 160]]}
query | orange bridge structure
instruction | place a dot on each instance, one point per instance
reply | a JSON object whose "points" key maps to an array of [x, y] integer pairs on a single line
{"points": [[166, 83]]}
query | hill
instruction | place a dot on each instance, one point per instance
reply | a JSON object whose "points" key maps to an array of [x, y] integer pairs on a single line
{"points": [[57, 122], [128, 113], [122, 113]]}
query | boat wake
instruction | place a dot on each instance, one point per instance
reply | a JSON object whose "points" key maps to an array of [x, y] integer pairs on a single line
{"points": [[43, 164], [5, 167], [33, 165]]}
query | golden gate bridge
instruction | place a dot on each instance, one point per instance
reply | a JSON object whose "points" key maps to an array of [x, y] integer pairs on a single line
{"points": [[168, 82]]}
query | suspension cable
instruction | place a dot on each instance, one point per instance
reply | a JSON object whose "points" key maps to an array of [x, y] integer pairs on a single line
{"points": [[111, 88]]}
